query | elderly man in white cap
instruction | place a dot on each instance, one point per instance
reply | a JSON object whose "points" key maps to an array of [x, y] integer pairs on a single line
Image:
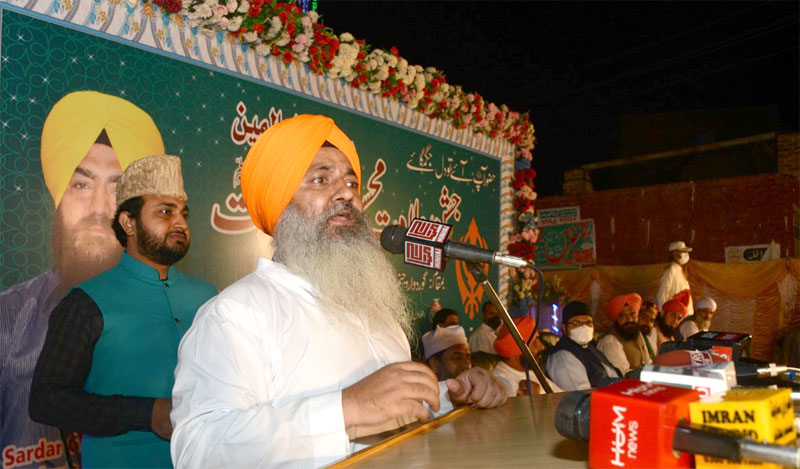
{"points": [[700, 320], [447, 351], [674, 281], [106, 368]]}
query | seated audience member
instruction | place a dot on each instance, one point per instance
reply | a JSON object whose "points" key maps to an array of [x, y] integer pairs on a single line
{"points": [[510, 370], [446, 351], [294, 363], [623, 344], [647, 319], [699, 321], [106, 368], [669, 319], [575, 362], [481, 342], [445, 317]]}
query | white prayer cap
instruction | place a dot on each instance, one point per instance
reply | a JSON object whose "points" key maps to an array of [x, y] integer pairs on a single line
{"points": [[443, 338], [706, 303], [679, 246]]}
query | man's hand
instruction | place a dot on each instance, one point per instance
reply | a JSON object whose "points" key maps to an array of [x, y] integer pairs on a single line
{"points": [[159, 420], [396, 390], [476, 386]]}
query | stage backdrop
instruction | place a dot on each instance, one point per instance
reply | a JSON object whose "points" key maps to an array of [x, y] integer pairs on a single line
{"points": [[209, 119]]}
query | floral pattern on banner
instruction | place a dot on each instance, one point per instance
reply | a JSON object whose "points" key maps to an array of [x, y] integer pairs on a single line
{"points": [[283, 30]]}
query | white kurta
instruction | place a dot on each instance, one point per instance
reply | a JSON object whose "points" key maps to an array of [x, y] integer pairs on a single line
{"points": [[260, 376], [673, 281], [569, 373], [482, 340], [687, 329], [612, 349], [510, 378]]}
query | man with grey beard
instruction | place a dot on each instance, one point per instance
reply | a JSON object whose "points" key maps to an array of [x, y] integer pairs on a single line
{"points": [[298, 361]]}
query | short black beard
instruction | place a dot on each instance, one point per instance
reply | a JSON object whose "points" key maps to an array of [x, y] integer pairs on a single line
{"points": [[665, 329], [627, 334], [157, 250]]}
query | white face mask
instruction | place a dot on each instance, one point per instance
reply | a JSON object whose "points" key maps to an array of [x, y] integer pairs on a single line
{"points": [[684, 258], [582, 335]]}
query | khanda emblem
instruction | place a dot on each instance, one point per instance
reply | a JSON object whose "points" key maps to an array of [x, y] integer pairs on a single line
{"points": [[471, 291]]}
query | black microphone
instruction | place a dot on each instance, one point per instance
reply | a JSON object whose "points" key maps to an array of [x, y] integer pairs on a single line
{"points": [[424, 250]]}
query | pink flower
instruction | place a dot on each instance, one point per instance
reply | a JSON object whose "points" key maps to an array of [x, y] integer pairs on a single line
{"points": [[301, 39], [306, 22], [220, 11]]}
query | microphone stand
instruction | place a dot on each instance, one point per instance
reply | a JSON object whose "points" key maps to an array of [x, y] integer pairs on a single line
{"points": [[480, 276]]}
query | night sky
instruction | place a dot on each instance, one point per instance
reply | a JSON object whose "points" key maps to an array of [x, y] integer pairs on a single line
{"points": [[577, 66]]}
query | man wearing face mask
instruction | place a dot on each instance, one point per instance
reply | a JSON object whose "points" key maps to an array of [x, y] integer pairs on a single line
{"points": [[575, 362], [482, 340], [674, 281]]}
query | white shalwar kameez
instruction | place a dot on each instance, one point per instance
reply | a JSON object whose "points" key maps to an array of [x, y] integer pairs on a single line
{"points": [[510, 378], [482, 340], [260, 376], [673, 281]]}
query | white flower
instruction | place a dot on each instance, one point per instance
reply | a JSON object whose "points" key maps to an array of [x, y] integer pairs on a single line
{"points": [[250, 36], [444, 87], [313, 15], [235, 24], [204, 11], [231, 5], [262, 49], [419, 82], [383, 73], [346, 37], [374, 86], [244, 6], [392, 61], [372, 64], [303, 56], [275, 26], [284, 39]]}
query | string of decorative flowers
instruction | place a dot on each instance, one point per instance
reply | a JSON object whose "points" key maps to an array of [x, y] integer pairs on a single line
{"points": [[283, 30]]}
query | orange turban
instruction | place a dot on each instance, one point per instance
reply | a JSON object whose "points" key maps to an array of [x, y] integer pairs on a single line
{"points": [[505, 346], [279, 159], [675, 305], [615, 306]]}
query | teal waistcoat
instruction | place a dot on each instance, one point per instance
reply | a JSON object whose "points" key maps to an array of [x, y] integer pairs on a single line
{"points": [[144, 319]]}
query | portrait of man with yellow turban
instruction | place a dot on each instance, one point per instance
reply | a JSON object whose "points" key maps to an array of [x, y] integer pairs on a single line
{"points": [[87, 141]]}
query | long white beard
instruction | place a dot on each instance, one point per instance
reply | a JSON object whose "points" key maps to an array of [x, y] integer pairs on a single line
{"points": [[355, 283]]}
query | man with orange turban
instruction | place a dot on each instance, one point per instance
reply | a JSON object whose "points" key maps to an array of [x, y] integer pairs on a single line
{"points": [[623, 343], [510, 370], [294, 363], [88, 139], [671, 315]]}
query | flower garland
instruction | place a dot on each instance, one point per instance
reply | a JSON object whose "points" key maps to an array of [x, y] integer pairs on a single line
{"points": [[283, 30]]}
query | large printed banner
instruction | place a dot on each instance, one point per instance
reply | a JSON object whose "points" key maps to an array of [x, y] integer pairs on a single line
{"points": [[567, 244], [209, 117]]}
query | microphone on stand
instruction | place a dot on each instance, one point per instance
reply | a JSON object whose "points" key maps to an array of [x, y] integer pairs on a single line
{"points": [[424, 243]]}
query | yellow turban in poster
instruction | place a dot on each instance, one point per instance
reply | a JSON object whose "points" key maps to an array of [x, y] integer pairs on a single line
{"points": [[75, 122], [279, 159]]}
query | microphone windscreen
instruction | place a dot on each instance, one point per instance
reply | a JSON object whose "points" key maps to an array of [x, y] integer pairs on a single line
{"points": [[572, 415], [392, 238]]}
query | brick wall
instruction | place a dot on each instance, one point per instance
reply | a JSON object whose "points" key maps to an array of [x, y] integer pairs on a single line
{"points": [[789, 154], [634, 226]]}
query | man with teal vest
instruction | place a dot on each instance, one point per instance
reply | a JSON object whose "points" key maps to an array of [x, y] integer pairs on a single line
{"points": [[106, 368]]}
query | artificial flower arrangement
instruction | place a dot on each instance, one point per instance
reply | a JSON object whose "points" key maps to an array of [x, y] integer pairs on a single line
{"points": [[284, 30]]}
